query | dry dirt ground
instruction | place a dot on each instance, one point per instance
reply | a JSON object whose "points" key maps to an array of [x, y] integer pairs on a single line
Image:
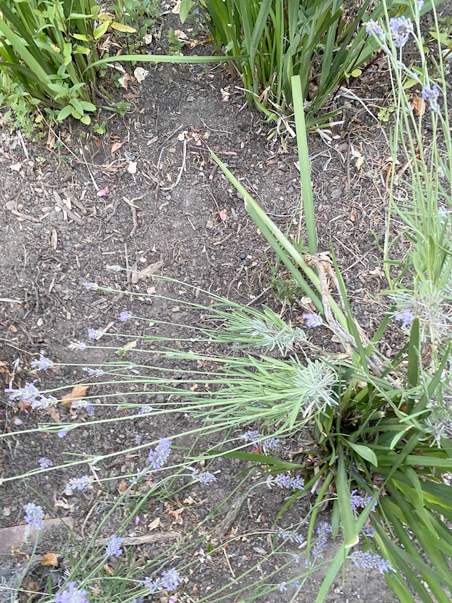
{"points": [[180, 216]]}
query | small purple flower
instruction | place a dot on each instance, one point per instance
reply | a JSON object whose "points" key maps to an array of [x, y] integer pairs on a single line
{"points": [[94, 333], [93, 372], [252, 436], [114, 268], [72, 595], [368, 531], [270, 444], [78, 482], [78, 345], [34, 516], [405, 316], [360, 502], [79, 404], [145, 410], [45, 463], [113, 544], [369, 561], [296, 558], [204, 478], [285, 481], [321, 543], [154, 585], [282, 587], [372, 27], [431, 95], [159, 457], [312, 320], [401, 27], [27, 393], [171, 579], [291, 537], [420, 4], [90, 286], [42, 364], [62, 433], [137, 439], [125, 315]]}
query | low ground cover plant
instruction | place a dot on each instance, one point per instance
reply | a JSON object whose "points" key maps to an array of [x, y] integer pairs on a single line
{"points": [[380, 453]]}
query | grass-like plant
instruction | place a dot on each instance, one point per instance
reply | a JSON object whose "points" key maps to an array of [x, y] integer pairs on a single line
{"points": [[381, 428], [283, 38]]}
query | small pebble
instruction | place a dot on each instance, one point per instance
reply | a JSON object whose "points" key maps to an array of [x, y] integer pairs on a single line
{"points": [[243, 255]]}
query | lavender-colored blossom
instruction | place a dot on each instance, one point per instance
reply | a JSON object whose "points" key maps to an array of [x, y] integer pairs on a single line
{"points": [[72, 594], [312, 320], [114, 268], [282, 587], [291, 536], [271, 444], [369, 561], [420, 4], [204, 478], [154, 585], [321, 543], [138, 439], [62, 433], [26, 394], [296, 583], [251, 436], [125, 315], [368, 531], [360, 502], [45, 463], [43, 402], [78, 482], [113, 545], [159, 457], [145, 409], [34, 516], [90, 286], [93, 372], [431, 95], [94, 333], [401, 27], [42, 364], [296, 558], [405, 316], [171, 579], [372, 27], [79, 404], [78, 345], [285, 481]]}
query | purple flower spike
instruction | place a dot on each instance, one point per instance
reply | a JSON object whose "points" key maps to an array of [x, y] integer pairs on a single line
{"points": [[159, 457], [171, 579], [372, 27], [401, 28], [113, 545], [72, 595], [369, 561], [45, 463], [312, 320], [431, 95], [405, 316], [34, 516], [42, 364], [125, 315], [94, 333]]}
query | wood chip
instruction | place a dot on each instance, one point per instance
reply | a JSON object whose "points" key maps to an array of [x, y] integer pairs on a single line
{"points": [[59, 201]]}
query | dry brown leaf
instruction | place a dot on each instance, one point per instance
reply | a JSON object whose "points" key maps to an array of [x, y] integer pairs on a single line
{"points": [[418, 104], [109, 569], [154, 524], [177, 515], [49, 559], [77, 393], [63, 503], [116, 146], [123, 485], [54, 414], [142, 274]]}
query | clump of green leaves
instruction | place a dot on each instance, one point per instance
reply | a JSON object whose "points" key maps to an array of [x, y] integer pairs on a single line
{"points": [[138, 15]]}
